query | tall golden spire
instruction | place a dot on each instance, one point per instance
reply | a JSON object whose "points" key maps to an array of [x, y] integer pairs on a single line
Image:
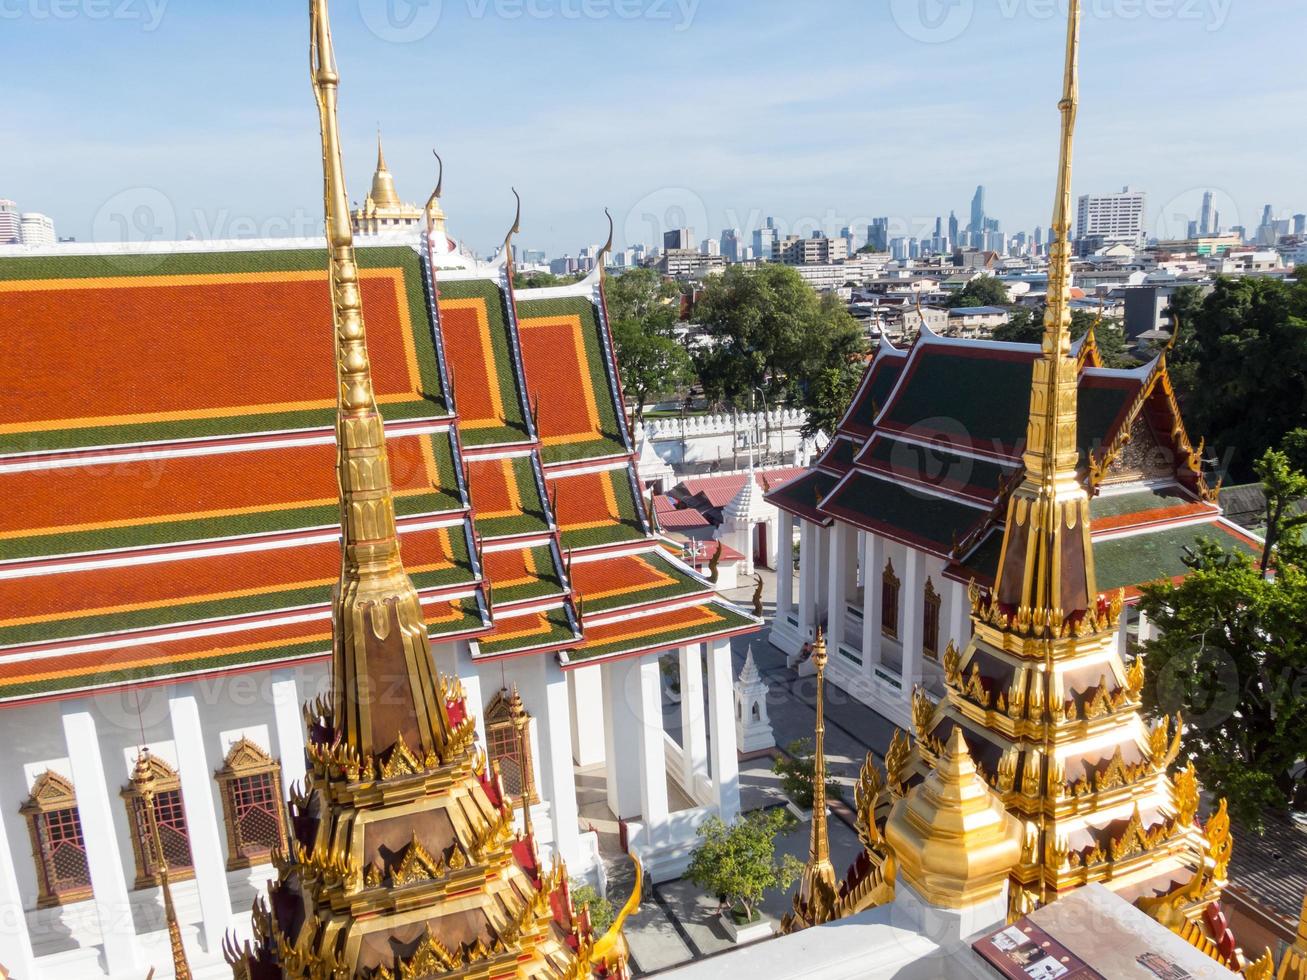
{"points": [[1046, 574], [143, 781], [379, 633], [815, 901]]}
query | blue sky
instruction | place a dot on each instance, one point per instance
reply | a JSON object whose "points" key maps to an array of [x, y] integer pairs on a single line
{"points": [[195, 117]]}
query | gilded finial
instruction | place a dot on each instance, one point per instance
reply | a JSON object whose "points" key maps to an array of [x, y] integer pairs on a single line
{"points": [[601, 261], [435, 216], [516, 229], [143, 780]]}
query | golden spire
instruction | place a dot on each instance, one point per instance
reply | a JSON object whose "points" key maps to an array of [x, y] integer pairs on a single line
{"points": [[954, 842], [143, 780], [379, 635], [814, 903], [1046, 573], [383, 184]]}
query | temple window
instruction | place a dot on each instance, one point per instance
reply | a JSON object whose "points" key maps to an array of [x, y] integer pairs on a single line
{"points": [[62, 873], [250, 785], [503, 748], [930, 624], [889, 601], [173, 832]]}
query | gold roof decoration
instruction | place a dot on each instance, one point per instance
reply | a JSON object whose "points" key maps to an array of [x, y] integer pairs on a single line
{"points": [[952, 839], [143, 779], [815, 902], [403, 861], [383, 184]]}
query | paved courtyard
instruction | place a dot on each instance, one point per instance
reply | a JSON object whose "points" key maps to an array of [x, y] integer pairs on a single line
{"points": [[677, 922]]}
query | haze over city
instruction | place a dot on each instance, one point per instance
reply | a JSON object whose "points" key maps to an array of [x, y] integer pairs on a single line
{"points": [[822, 116]]}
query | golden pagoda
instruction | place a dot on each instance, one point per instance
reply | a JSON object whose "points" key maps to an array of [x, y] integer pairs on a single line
{"points": [[1050, 712], [383, 210], [403, 861]]}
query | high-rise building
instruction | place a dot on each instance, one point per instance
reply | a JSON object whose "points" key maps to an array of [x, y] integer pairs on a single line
{"points": [[11, 226], [1205, 222], [678, 239], [978, 210], [731, 244], [37, 229], [764, 241], [710, 246], [878, 235], [952, 226], [1192, 233], [1109, 219], [1300, 224]]}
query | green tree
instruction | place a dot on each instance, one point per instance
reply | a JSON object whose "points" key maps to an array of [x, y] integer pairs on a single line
{"points": [[601, 910], [540, 280], [1232, 659], [739, 862], [1240, 365], [1284, 486], [768, 330], [797, 769], [981, 291], [644, 311], [1026, 326]]}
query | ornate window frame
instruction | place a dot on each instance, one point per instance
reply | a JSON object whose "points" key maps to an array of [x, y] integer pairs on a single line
{"points": [[931, 607], [55, 824], [171, 815], [502, 746], [248, 767], [890, 587]]}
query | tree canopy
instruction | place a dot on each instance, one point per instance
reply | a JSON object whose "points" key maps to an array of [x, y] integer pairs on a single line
{"points": [[739, 861], [644, 311], [539, 280], [1232, 659], [981, 291], [1026, 326], [769, 330], [1240, 365]]}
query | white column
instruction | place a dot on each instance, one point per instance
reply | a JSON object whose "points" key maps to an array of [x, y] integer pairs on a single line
{"points": [[694, 739], [15, 941], [1123, 634], [652, 749], [587, 689], [465, 669], [836, 587], [873, 563], [201, 817], [913, 602], [103, 859], [807, 576], [622, 764], [721, 723], [289, 728], [1145, 627], [784, 565], [821, 583], [556, 751], [960, 617]]}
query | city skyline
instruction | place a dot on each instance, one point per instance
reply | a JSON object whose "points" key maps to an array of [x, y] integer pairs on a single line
{"points": [[211, 158]]}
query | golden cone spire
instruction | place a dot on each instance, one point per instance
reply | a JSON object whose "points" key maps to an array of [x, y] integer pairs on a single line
{"points": [[143, 781], [383, 193], [816, 900], [1046, 572], [380, 636]]}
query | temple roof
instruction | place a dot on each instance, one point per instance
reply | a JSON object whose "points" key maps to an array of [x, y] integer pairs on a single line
{"points": [[932, 444], [173, 502]]}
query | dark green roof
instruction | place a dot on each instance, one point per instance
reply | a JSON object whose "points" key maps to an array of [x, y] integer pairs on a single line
{"points": [[1146, 557], [901, 512]]}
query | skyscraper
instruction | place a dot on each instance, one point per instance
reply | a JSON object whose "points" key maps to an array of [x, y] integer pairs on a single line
{"points": [[731, 244], [764, 242], [953, 227], [1300, 224], [1205, 222], [978, 210], [10, 224], [878, 235], [678, 239]]}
